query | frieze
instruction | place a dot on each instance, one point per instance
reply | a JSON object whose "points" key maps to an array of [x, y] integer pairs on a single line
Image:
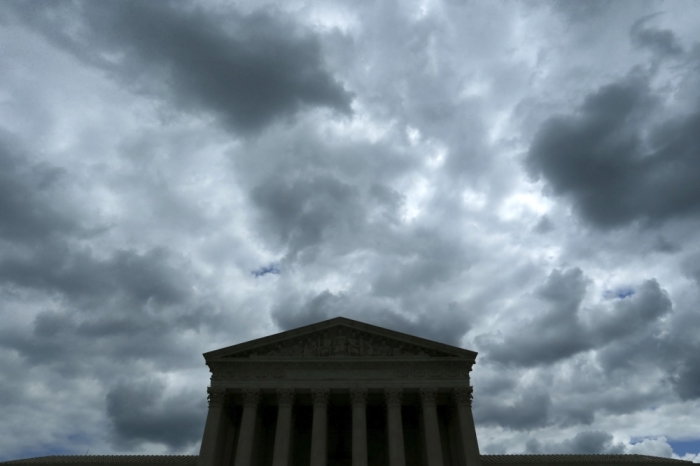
{"points": [[445, 370], [342, 369], [340, 342]]}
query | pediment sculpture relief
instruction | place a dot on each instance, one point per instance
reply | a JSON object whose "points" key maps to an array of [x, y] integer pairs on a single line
{"points": [[341, 342]]}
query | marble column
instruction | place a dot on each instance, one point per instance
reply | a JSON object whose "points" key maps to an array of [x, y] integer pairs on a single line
{"points": [[283, 433], [227, 458], [359, 426], [397, 455], [467, 432], [212, 442], [433, 446], [319, 429], [244, 452]]}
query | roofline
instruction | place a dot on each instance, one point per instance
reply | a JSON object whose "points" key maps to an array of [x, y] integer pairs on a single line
{"points": [[299, 331]]}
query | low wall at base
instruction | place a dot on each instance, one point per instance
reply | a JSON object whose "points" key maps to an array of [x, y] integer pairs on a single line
{"points": [[487, 460], [580, 460], [106, 460]]}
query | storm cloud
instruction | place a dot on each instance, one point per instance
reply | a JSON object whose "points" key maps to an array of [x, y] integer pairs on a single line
{"points": [[248, 69], [614, 165], [561, 331], [141, 412]]}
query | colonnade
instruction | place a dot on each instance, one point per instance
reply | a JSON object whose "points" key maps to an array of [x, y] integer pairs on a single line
{"points": [[215, 437]]}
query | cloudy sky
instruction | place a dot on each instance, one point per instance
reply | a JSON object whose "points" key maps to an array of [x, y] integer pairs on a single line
{"points": [[521, 179]]}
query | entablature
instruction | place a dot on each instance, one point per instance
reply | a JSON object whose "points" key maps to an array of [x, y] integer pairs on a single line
{"points": [[340, 372]]}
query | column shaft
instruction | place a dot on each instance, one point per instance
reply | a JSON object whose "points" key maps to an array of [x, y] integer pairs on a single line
{"points": [[244, 452], [359, 426], [467, 431], [397, 455], [433, 445], [319, 430], [214, 429], [227, 458], [283, 433]]}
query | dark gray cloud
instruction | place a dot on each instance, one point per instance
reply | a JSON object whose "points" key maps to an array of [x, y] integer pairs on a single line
{"points": [[71, 341], [571, 413], [30, 211], [691, 267], [302, 212], [632, 313], [664, 245], [556, 334], [318, 308], [79, 276], [116, 301], [103, 298], [662, 42], [248, 69], [561, 331], [428, 259], [143, 412], [587, 442], [529, 411], [308, 213], [545, 225], [614, 167], [582, 11], [686, 379]]}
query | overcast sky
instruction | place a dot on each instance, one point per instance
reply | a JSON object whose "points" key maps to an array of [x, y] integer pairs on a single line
{"points": [[521, 179]]}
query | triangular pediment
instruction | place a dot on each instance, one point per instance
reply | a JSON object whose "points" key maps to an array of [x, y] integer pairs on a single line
{"points": [[340, 337]]}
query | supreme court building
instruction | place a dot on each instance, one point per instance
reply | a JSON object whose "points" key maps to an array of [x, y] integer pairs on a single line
{"points": [[341, 393]]}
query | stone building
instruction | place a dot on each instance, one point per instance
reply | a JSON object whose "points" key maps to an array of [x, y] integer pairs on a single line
{"points": [[341, 393]]}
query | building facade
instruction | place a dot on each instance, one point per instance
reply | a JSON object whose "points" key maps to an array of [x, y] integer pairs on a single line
{"points": [[340, 393]]}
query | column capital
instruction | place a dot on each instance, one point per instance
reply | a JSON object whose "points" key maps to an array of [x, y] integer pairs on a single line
{"points": [[285, 396], [215, 396], [251, 396], [393, 395], [427, 395], [320, 396], [463, 395], [358, 396]]}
